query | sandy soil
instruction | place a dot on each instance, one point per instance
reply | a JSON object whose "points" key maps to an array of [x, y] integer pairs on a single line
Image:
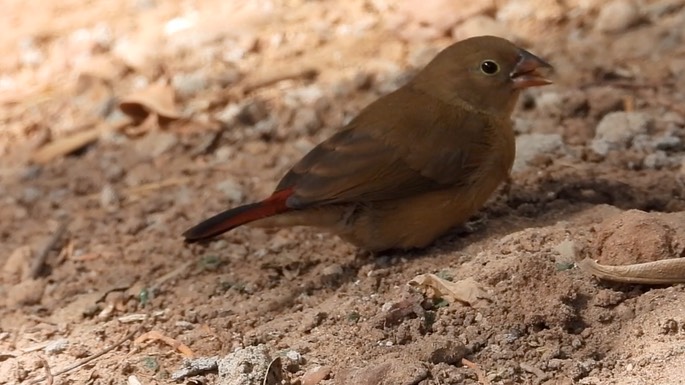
{"points": [[219, 98]]}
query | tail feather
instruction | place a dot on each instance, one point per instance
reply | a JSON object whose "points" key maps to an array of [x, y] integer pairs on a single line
{"points": [[238, 216]]}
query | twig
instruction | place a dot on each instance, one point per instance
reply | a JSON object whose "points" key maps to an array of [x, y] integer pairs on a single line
{"points": [[307, 73], [482, 378], [39, 260], [48, 374], [128, 193], [91, 358], [75, 141]]}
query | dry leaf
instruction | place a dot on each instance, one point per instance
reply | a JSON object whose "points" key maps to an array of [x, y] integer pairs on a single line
{"points": [[467, 290], [274, 374], [66, 145], [157, 336], [158, 98], [661, 272], [74, 142]]}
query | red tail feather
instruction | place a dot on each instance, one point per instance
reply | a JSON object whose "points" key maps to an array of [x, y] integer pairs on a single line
{"points": [[238, 216]]}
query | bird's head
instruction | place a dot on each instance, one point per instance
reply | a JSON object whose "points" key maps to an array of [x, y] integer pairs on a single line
{"points": [[486, 72]]}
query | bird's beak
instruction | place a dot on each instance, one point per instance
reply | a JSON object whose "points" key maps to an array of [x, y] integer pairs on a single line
{"points": [[526, 74]]}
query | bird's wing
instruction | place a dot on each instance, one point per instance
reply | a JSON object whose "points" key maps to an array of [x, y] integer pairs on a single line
{"points": [[406, 151]]}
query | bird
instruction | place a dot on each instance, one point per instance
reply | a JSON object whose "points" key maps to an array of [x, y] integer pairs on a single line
{"points": [[411, 165]]}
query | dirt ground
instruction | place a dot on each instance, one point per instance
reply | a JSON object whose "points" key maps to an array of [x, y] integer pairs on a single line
{"points": [[123, 123]]}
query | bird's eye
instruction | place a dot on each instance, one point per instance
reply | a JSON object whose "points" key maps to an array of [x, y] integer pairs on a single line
{"points": [[489, 67]]}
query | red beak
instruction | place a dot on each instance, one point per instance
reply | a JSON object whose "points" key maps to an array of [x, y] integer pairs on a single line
{"points": [[526, 74]]}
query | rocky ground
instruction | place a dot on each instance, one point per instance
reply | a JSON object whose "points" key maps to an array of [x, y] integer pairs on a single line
{"points": [[123, 123]]}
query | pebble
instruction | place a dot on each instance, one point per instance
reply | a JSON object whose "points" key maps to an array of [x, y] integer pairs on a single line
{"points": [[617, 16], [617, 129], [437, 348], [229, 114], [656, 160], [266, 127], [528, 146], [57, 346], [189, 84], [293, 360], [30, 195], [245, 366], [108, 197], [668, 142], [231, 189]]}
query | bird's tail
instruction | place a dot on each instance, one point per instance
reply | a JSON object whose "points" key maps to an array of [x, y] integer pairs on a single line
{"points": [[238, 216]]}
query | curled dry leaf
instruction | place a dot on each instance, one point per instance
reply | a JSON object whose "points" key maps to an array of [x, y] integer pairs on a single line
{"points": [[661, 272], [157, 336], [274, 374], [158, 98], [466, 290]]}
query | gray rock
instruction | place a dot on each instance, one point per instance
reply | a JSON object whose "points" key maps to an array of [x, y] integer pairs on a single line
{"points": [[616, 130], [247, 366], [528, 146], [109, 199], [231, 189], [57, 346], [656, 159], [189, 84]]}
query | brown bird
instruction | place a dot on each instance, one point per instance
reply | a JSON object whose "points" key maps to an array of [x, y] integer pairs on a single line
{"points": [[412, 164]]}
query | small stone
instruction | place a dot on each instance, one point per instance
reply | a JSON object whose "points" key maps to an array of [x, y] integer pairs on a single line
{"points": [[189, 84], [30, 195], [245, 366], [108, 197], [229, 114], [528, 146], [224, 154], [231, 189], [617, 129], [656, 160], [437, 348], [56, 347], [617, 16], [293, 360], [668, 142]]}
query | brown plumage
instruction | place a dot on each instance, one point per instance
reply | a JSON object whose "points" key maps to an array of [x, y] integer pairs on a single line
{"points": [[412, 164]]}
